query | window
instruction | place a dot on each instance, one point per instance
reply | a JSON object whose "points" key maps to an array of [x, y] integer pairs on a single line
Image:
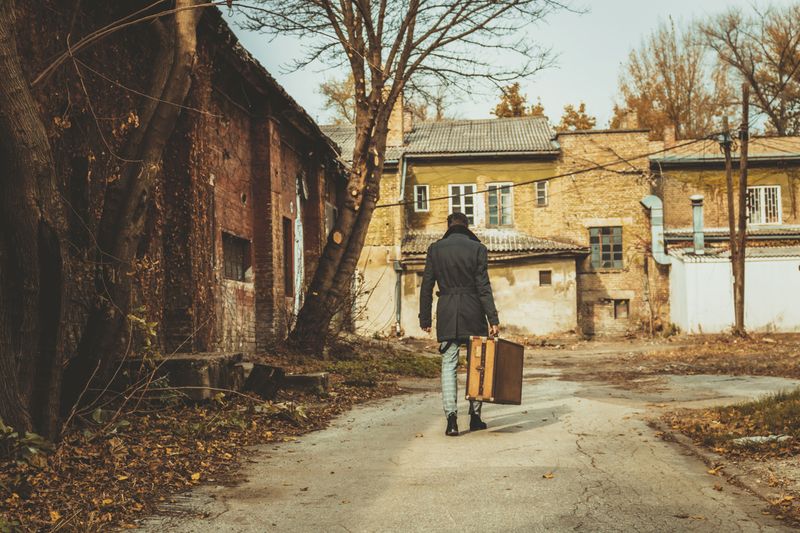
{"points": [[501, 204], [621, 308], [288, 257], [421, 199], [462, 200], [606, 246], [331, 214], [541, 193], [235, 256], [545, 278], [764, 204]]}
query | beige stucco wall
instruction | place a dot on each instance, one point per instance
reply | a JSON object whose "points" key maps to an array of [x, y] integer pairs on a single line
{"points": [[438, 175], [524, 307]]}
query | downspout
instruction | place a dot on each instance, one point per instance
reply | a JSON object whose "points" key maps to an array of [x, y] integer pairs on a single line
{"points": [[402, 178], [398, 294], [656, 207], [697, 224], [398, 267]]}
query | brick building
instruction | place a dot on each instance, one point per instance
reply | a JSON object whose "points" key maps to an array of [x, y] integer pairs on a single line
{"points": [[251, 185], [690, 178]]}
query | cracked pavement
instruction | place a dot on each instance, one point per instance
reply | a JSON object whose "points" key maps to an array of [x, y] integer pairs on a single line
{"points": [[387, 466]]}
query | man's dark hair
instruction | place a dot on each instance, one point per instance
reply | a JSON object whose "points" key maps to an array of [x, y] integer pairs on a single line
{"points": [[457, 219]]}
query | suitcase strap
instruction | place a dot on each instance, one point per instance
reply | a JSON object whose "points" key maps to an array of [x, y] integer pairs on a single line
{"points": [[482, 366]]}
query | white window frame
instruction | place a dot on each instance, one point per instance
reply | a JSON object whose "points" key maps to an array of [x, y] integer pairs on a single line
{"points": [[546, 189], [417, 208], [761, 191], [496, 188], [476, 214]]}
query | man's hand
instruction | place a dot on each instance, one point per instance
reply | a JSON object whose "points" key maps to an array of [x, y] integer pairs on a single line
{"points": [[494, 330], [426, 330]]}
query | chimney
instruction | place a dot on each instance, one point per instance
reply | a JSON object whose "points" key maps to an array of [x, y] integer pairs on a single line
{"points": [[394, 136], [630, 121], [697, 224], [669, 140]]}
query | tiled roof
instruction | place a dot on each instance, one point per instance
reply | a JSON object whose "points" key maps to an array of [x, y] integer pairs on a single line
{"points": [[779, 231], [496, 240], [463, 137], [687, 255], [292, 110]]}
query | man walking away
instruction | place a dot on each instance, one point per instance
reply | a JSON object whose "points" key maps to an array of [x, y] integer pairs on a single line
{"points": [[459, 264]]}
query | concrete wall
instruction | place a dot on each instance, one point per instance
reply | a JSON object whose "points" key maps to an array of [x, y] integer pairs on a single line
{"points": [[702, 295]]}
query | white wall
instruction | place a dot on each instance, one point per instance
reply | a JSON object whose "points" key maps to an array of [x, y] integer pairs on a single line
{"points": [[701, 295]]}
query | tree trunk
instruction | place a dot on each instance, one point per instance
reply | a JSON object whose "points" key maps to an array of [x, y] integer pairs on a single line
{"points": [[123, 221], [334, 275], [35, 265]]}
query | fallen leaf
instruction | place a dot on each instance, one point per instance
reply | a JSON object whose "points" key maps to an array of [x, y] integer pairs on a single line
{"points": [[55, 516], [195, 476], [548, 475], [718, 487]]}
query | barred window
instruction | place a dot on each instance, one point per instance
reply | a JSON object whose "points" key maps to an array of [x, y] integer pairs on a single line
{"points": [[606, 247], [545, 278], [764, 204], [235, 256]]}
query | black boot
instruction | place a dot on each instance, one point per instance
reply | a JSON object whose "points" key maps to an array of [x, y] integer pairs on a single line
{"points": [[452, 425], [475, 423]]}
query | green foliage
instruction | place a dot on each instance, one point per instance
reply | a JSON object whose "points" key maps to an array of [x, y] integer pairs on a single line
{"points": [[30, 448], [368, 370]]}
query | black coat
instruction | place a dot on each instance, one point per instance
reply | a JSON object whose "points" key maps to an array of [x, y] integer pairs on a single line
{"points": [[459, 264]]}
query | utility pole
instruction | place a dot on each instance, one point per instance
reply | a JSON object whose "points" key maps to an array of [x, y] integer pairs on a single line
{"points": [[738, 262], [726, 144]]}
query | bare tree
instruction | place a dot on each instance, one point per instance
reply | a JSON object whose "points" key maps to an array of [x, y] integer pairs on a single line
{"points": [[424, 103], [669, 83], [340, 99], [385, 44], [763, 50], [42, 344]]}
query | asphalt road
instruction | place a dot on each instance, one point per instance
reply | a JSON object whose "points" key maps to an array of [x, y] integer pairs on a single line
{"points": [[576, 456]]}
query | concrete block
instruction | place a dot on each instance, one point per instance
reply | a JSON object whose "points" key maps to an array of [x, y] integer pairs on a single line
{"points": [[313, 382]]}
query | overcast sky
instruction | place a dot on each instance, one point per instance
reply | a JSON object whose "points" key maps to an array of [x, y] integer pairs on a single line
{"points": [[591, 48]]}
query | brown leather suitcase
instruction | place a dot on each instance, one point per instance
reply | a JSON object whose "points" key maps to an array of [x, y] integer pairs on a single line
{"points": [[494, 372]]}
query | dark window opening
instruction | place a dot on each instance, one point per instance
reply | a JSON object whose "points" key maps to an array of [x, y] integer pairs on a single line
{"points": [[235, 256], [288, 257], [621, 308], [545, 277], [606, 247]]}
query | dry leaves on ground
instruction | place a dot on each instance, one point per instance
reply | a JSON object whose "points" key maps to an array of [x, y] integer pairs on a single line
{"points": [[96, 480]]}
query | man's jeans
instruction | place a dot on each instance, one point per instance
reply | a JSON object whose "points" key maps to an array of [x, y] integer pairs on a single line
{"points": [[450, 383]]}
